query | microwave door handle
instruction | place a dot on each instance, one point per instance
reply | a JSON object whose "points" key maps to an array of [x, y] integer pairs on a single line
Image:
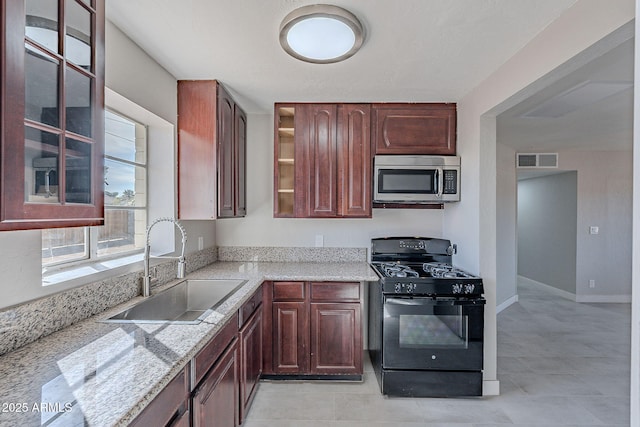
{"points": [[440, 181]]}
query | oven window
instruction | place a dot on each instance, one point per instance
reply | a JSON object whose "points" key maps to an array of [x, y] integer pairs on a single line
{"points": [[433, 331], [412, 181]]}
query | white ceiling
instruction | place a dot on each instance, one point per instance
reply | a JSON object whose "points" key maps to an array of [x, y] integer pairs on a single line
{"points": [[605, 124], [414, 51]]}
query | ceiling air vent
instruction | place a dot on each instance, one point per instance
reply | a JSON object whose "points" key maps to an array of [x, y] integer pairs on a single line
{"points": [[537, 160]]}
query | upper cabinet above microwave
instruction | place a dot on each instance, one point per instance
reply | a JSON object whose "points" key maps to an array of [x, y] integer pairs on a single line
{"points": [[414, 128]]}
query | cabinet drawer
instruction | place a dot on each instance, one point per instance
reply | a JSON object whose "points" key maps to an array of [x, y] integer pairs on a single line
{"points": [[288, 291], [168, 405], [204, 360], [250, 306], [335, 291]]}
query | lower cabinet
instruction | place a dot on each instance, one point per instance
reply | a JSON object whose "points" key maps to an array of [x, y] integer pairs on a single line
{"points": [[336, 343], [250, 359], [215, 401], [314, 329], [170, 407], [290, 332]]}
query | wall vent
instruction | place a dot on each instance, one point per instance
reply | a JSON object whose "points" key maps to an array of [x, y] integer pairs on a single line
{"points": [[537, 160]]}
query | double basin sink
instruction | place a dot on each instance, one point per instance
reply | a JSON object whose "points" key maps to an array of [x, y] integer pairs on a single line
{"points": [[187, 302]]}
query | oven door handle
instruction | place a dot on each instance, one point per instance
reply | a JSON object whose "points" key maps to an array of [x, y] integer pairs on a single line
{"points": [[428, 301]]}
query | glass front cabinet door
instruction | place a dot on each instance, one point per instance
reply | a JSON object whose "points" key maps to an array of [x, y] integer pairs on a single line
{"points": [[52, 109]]}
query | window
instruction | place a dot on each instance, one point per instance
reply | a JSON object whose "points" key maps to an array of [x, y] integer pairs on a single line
{"points": [[125, 200]]}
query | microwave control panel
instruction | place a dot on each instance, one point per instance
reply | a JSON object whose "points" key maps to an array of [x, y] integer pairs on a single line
{"points": [[450, 181]]}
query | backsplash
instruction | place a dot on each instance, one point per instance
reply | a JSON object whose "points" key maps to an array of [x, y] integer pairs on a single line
{"points": [[25, 323], [294, 254]]}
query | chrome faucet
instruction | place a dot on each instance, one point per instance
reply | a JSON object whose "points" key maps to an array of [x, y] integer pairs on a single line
{"points": [[146, 280]]}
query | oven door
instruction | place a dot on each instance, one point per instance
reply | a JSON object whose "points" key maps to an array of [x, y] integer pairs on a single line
{"points": [[426, 333]]}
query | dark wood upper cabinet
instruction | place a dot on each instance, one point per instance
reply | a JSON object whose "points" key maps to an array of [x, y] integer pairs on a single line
{"points": [[354, 160], [211, 152], [317, 154], [240, 163], [414, 128], [322, 161], [52, 109]]}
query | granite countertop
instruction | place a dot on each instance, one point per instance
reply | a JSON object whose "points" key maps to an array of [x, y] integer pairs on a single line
{"points": [[105, 374]]}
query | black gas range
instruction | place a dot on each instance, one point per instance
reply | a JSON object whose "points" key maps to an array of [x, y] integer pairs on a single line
{"points": [[426, 320], [428, 279]]}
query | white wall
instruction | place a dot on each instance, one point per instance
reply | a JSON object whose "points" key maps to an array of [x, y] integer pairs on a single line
{"points": [[506, 241], [260, 228], [635, 316], [604, 200], [472, 222], [547, 217], [134, 74]]}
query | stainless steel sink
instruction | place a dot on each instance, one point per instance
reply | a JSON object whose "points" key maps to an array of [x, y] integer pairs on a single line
{"points": [[187, 302]]}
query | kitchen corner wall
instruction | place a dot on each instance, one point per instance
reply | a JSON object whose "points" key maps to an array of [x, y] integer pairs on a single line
{"points": [[132, 73], [260, 228]]}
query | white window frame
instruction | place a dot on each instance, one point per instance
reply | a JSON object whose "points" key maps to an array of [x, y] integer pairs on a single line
{"points": [[161, 181]]}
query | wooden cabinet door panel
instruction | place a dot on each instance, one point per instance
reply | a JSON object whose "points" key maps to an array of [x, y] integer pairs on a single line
{"points": [[290, 332], [354, 160], [215, 401], [250, 360], [414, 128], [196, 149], [226, 155], [336, 340], [321, 160], [240, 141]]}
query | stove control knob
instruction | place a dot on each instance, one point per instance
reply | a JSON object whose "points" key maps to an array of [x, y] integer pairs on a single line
{"points": [[398, 288], [457, 288], [468, 288]]}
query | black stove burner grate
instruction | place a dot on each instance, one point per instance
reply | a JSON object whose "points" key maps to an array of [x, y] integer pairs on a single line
{"points": [[392, 269]]}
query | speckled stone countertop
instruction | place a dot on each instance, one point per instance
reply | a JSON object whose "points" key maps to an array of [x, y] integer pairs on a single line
{"points": [[105, 374]]}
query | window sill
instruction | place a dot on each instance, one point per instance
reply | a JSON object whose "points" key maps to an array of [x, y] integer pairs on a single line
{"points": [[95, 271]]}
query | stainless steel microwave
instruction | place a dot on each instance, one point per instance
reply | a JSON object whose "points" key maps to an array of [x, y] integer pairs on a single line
{"points": [[416, 179]]}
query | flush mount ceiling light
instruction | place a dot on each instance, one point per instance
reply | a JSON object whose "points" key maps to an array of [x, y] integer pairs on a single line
{"points": [[321, 34]]}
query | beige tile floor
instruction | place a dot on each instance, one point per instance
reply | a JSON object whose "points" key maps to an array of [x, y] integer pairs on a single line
{"points": [[559, 363]]}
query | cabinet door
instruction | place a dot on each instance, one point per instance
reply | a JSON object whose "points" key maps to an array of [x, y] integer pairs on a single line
{"points": [[52, 108], [354, 160], [196, 149], [250, 361], [414, 128], [336, 338], [240, 141], [317, 144], [290, 336], [226, 155], [215, 401]]}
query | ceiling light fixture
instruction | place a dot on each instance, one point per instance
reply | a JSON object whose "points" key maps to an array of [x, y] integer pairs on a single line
{"points": [[321, 34]]}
